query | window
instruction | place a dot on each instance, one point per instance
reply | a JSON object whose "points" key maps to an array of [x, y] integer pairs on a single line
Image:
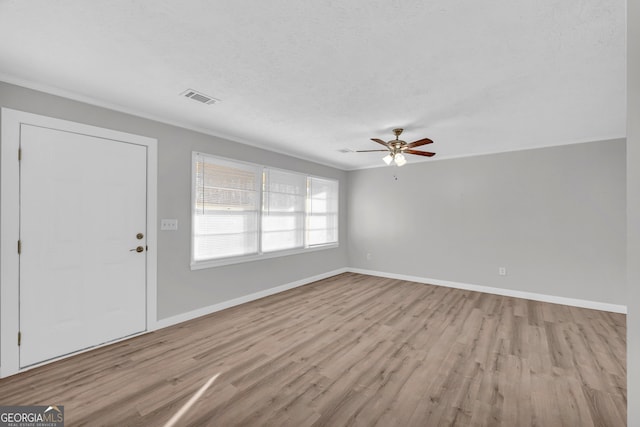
{"points": [[283, 204], [226, 203], [322, 211], [243, 211]]}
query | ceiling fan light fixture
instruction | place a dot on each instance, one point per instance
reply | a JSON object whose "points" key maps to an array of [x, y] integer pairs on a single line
{"points": [[397, 149], [400, 159]]}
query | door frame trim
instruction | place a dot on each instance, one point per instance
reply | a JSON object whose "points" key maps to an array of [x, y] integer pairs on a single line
{"points": [[10, 220]]}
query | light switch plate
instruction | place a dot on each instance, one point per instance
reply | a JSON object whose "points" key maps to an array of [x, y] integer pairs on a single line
{"points": [[168, 224]]}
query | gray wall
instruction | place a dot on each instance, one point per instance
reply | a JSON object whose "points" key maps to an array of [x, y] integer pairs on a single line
{"points": [[179, 289], [633, 212], [554, 217]]}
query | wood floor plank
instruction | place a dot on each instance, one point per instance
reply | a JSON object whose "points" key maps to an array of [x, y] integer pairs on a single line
{"points": [[353, 350]]}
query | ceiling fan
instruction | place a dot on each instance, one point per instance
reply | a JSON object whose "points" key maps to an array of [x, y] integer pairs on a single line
{"points": [[397, 148]]}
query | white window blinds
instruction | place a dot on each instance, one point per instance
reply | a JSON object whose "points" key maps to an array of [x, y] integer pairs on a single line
{"points": [[244, 211], [226, 208], [283, 210], [322, 211]]}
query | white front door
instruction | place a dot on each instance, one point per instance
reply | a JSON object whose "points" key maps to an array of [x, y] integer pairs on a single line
{"points": [[83, 202]]}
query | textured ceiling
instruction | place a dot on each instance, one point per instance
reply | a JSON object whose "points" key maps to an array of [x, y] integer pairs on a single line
{"points": [[312, 78]]}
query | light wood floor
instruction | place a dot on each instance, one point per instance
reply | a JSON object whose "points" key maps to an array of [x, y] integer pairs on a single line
{"points": [[353, 350]]}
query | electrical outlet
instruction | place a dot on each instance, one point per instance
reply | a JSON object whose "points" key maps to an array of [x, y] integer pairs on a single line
{"points": [[368, 256], [502, 271], [168, 224]]}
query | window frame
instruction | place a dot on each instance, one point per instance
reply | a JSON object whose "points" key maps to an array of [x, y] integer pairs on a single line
{"points": [[260, 255]]}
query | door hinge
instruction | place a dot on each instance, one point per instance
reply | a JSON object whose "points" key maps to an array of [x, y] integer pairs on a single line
{"points": [[19, 154], [19, 247], [19, 337]]}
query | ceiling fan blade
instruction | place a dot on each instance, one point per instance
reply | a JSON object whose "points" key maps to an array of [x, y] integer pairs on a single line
{"points": [[420, 142], [420, 153], [368, 151], [379, 141]]}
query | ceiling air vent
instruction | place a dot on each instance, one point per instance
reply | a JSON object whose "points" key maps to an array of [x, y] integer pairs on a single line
{"points": [[199, 96]]}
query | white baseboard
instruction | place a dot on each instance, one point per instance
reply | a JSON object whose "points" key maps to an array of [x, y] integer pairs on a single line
{"points": [[183, 317], [499, 291]]}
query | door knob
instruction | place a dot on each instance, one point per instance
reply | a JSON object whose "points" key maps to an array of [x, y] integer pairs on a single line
{"points": [[138, 249], [139, 236]]}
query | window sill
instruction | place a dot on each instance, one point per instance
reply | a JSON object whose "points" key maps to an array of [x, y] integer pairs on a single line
{"points": [[200, 265]]}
